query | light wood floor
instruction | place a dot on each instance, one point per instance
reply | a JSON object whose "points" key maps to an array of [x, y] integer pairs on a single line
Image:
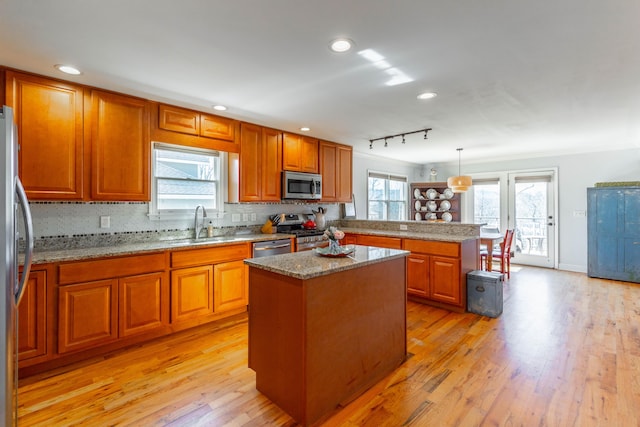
{"points": [[565, 352]]}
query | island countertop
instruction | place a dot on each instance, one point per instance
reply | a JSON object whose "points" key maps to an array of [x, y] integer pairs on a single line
{"points": [[308, 264]]}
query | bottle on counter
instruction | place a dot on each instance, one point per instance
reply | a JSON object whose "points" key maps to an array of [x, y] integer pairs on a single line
{"points": [[210, 229]]}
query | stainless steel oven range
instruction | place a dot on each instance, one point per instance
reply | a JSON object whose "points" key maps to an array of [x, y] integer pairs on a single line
{"points": [[306, 239]]}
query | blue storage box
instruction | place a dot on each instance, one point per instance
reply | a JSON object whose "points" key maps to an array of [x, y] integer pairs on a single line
{"points": [[484, 293]]}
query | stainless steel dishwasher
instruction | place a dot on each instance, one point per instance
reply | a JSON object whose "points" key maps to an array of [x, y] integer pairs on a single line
{"points": [[271, 247]]}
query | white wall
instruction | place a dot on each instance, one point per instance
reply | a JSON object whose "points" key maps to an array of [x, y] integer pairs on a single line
{"points": [[362, 163], [575, 174]]}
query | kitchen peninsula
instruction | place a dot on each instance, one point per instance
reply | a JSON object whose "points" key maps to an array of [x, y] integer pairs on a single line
{"points": [[323, 330]]}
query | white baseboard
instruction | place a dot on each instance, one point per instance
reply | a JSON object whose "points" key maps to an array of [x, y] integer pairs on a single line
{"points": [[573, 267]]}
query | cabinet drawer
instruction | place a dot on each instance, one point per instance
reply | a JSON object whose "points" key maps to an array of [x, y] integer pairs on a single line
{"points": [[432, 247], [379, 241], [194, 257], [87, 271]]}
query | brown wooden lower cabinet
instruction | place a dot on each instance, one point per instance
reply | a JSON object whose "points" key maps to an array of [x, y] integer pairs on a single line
{"points": [[140, 301], [437, 271], [32, 317], [87, 315], [208, 282], [231, 286], [101, 301], [418, 275], [191, 292]]}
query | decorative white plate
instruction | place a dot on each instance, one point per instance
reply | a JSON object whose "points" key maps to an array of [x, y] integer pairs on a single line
{"points": [[416, 193], [418, 216], [417, 205], [432, 194], [448, 193], [445, 205], [447, 217], [432, 206], [343, 251]]}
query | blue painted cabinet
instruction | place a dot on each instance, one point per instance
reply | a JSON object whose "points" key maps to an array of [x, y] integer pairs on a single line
{"points": [[613, 224]]}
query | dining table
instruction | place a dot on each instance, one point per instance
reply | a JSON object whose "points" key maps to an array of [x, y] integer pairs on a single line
{"points": [[490, 238]]}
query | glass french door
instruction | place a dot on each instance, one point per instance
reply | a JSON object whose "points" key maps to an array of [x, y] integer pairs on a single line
{"points": [[531, 213]]}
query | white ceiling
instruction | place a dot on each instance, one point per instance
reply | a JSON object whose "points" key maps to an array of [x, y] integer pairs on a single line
{"points": [[515, 78]]}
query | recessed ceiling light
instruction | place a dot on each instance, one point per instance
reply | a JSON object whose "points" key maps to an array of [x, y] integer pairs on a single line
{"points": [[220, 107], [427, 95], [341, 45], [68, 69], [305, 129]]}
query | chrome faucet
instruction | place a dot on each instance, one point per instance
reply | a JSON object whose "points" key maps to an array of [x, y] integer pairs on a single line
{"points": [[201, 226]]}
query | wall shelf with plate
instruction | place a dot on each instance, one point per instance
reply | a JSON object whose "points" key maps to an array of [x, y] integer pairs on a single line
{"points": [[434, 202]]}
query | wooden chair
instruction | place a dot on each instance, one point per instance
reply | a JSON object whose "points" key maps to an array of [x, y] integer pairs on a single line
{"points": [[503, 254]]}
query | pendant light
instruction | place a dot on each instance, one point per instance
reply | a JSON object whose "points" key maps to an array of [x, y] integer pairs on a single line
{"points": [[460, 183]]}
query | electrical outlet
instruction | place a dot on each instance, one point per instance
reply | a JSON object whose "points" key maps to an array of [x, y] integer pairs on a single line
{"points": [[245, 217], [235, 218], [105, 221], [254, 217], [403, 227]]}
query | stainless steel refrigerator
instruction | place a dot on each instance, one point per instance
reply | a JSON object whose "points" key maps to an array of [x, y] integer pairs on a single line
{"points": [[16, 216]]}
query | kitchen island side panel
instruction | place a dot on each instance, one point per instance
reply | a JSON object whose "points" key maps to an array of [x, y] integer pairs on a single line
{"points": [[316, 344]]}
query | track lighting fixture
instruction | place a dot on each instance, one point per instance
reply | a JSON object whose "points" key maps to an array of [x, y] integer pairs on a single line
{"points": [[388, 137]]}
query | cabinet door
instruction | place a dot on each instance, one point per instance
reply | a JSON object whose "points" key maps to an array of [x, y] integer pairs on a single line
{"points": [[344, 170], [291, 152], [49, 117], [217, 127], [328, 168], [120, 147], [444, 279], [32, 317], [191, 293], [178, 120], [231, 287], [87, 315], [141, 303], [418, 275], [308, 155], [271, 163], [250, 164]]}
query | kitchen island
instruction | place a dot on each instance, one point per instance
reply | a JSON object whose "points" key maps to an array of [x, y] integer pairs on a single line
{"points": [[323, 330]]}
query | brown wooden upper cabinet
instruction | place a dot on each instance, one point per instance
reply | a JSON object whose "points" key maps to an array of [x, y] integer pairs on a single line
{"points": [[336, 171], [260, 163], [195, 123], [120, 147], [49, 116], [299, 153]]}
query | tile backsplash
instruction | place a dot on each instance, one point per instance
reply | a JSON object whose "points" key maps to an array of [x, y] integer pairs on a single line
{"points": [[69, 219]]}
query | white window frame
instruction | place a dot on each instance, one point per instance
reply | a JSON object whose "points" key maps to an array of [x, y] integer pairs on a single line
{"points": [[388, 176], [155, 214]]}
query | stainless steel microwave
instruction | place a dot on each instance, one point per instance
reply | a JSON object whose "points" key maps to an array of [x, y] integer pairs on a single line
{"points": [[301, 185]]}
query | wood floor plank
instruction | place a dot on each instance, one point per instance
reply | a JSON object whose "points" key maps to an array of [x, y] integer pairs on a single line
{"points": [[565, 352]]}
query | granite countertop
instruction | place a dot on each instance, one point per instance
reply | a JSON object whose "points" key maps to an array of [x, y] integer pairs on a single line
{"points": [[47, 256], [409, 234], [308, 264]]}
